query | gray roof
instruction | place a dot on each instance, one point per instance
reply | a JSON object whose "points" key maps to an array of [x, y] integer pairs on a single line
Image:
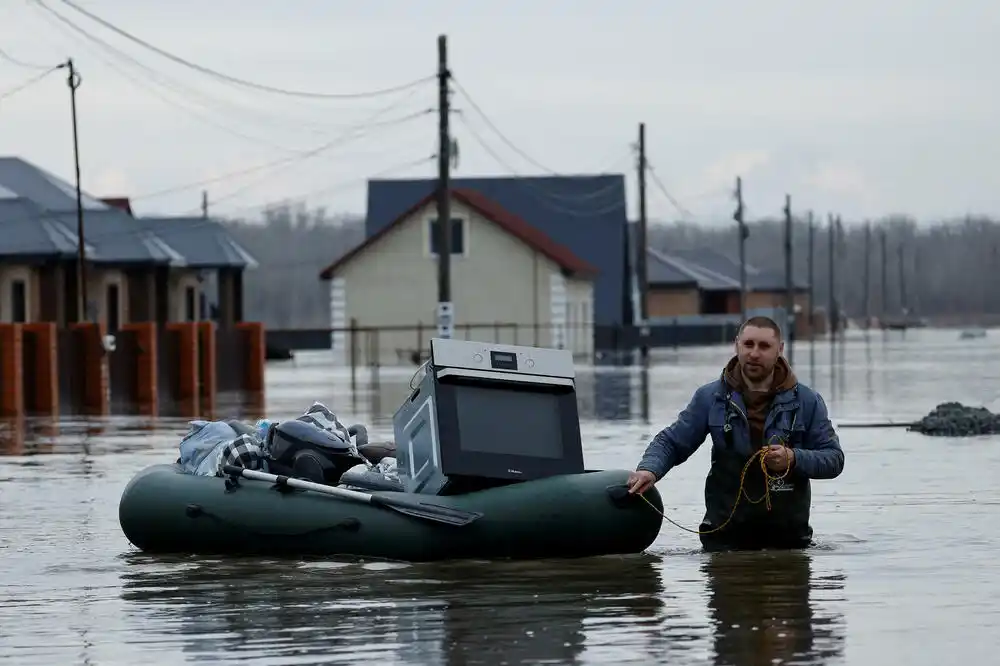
{"points": [[661, 271], [692, 272], [204, 243], [118, 239], [27, 230], [723, 272], [48, 191]]}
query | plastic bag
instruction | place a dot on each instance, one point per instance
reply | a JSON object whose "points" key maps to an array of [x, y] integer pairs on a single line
{"points": [[202, 446]]}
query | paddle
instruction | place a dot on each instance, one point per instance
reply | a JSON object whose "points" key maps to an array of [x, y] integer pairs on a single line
{"points": [[445, 515], [884, 424]]}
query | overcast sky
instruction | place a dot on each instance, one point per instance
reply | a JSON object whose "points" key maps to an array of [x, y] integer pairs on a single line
{"points": [[862, 107]]}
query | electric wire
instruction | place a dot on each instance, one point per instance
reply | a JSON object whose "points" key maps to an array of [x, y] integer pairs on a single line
{"points": [[21, 63], [663, 189], [510, 144], [206, 100], [314, 152], [137, 81], [24, 85], [552, 200], [233, 79]]}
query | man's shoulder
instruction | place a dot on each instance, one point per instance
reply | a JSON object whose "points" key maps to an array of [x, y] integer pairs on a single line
{"points": [[807, 394], [708, 391]]}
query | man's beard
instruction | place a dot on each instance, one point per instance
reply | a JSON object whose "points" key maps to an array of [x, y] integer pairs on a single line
{"points": [[756, 370]]}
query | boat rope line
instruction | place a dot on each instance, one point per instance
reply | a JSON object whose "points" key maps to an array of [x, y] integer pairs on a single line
{"points": [[741, 493]]}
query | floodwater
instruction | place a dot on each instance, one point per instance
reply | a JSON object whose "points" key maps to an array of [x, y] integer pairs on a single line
{"points": [[904, 570]]}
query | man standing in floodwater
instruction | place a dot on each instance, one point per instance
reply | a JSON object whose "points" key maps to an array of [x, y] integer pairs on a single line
{"points": [[757, 409]]}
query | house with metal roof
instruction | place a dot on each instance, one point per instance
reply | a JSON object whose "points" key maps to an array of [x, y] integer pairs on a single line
{"points": [[512, 282], [213, 257], [586, 214], [700, 288], [706, 281], [133, 272]]}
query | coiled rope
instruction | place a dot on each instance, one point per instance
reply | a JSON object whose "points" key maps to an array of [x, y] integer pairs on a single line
{"points": [[742, 492]]}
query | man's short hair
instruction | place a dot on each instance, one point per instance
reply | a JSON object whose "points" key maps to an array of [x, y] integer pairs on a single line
{"points": [[760, 321]]}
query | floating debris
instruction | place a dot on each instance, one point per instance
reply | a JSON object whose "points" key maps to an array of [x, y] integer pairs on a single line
{"points": [[953, 419]]}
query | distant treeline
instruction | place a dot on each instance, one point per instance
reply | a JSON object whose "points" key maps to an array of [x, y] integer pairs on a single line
{"points": [[292, 245], [943, 271], [948, 268]]}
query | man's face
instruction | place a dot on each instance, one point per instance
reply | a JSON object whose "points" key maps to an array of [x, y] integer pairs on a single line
{"points": [[758, 350]]}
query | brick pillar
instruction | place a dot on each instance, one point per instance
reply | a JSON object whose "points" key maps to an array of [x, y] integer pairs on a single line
{"points": [[187, 366], [11, 371], [92, 365], [44, 368], [207, 366], [147, 386]]}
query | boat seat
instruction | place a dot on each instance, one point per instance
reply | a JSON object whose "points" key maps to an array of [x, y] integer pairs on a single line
{"points": [[374, 452]]}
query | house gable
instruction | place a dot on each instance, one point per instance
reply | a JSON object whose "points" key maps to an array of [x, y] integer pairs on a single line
{"points": [[484, 208], [585, 214]]}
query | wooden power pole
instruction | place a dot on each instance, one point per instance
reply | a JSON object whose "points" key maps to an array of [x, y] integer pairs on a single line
{"points": [[741, 225], [832, 277], [445, 308], [867, 275], [884, 277], [811, 267], [789, 283], [642, 240], [82, 311]]}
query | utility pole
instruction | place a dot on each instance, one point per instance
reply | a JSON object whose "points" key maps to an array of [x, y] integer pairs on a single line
{"points": [[640, 263], [642, 243], [867, 275], [884, 259], [204, 204], [832, 260], [82, 313], [841, 253], [811, 262], [789, 282], [904, 310], [445, 308], [738, 216]]}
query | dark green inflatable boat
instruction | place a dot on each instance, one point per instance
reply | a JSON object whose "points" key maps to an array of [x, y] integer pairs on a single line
{"points": [[164, 509]]}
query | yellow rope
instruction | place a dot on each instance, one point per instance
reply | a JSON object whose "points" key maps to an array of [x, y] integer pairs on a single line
{"points": [[768, 478]]}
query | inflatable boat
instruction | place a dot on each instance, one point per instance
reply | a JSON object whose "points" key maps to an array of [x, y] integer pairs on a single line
{"points": [[164, 509], [487, 463]]}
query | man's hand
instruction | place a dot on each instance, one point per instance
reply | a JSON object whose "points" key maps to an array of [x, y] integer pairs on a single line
{"points": [[639, 482], [779, 458]]}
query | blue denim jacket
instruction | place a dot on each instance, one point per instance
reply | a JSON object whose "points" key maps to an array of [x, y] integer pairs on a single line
{"points": [[798, 417]]}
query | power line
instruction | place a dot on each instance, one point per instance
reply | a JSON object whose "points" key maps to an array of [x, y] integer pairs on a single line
{"points": [[554, 200], [26, 84], [344, 138], [204, 100], [326, 189], [233, 79], [153, 75], [660, 186], [21, 63], [496, 130]]}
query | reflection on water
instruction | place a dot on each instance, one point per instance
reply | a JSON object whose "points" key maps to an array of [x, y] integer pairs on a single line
{"points": [[760, 605], [907, 538], [451, 614]]}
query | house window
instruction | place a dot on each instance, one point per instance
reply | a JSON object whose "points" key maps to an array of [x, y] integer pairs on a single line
{"points": [[18, 302], [190, 299], [457, 236], [114, 308]]}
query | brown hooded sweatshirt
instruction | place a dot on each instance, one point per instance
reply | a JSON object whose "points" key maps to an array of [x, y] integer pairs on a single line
{"points": [[758, 403]]}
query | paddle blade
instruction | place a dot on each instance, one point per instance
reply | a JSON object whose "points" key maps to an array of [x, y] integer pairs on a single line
{"points": [[445, 515]]}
